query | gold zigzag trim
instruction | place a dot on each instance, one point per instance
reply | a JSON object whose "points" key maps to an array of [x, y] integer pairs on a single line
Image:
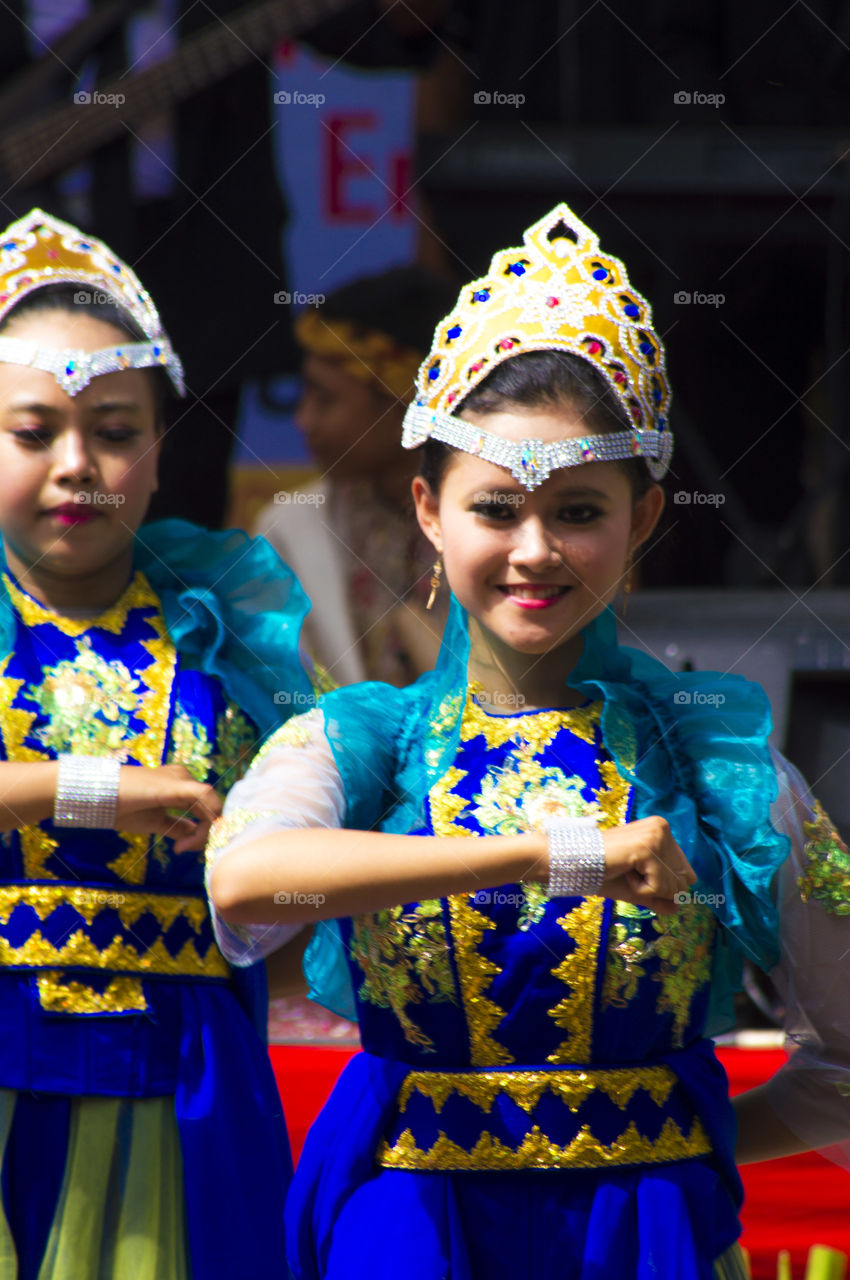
{"points": [[57, 995], [537, 1152], [538, 728], [525, 1088], [476, 973], [79, 952], [89, 902], [137, 595], [574, 1013]]}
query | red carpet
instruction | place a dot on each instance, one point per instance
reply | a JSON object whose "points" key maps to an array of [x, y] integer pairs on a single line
{"points": [[790, 1204]]}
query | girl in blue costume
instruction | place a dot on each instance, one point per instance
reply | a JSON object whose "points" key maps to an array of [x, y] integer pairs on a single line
{"points": [[598, 844], [140, 1129]]}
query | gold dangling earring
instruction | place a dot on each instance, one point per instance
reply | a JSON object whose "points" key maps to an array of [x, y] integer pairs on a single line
{"points": [[436, 575], [627, 582]]}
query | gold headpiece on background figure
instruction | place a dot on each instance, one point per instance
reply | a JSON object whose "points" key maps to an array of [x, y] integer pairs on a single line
{"points": [[557, 292], [371, 356], [40, 250]]}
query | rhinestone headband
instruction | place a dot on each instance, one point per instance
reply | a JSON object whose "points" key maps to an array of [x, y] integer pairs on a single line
{"points": [[533, 461], [74, 370]]}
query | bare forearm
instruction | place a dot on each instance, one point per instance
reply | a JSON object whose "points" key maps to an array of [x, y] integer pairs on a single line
{"points": [[319, 874], [761, 1133], [27, 793]]}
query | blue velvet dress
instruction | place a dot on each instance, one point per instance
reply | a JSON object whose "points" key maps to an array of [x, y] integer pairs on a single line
{"points": [[132, 1060], [536, 1097]]}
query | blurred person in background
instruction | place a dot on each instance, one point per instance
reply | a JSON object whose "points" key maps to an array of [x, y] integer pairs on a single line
{"points": [[352, 536]]}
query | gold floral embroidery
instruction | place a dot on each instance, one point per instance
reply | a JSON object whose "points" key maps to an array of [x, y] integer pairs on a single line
{"points": [[574, 1013], [441, 727], [521, 795], [58, 993], [613, 796], [235, 740], [401, 954], [684, 944], [86, 702], [827, 876], [537, 1151], [137, 595], [526, 1088], [230, 825], [297, 732], [189, 745], [627, 949]]}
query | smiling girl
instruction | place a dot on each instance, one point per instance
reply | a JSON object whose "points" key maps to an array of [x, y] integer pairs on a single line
{"points": [[137, 670], [543, 862]]}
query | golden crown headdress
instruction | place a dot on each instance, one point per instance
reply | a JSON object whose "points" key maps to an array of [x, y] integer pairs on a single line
{"points": [[40, 250], [557, 292]]}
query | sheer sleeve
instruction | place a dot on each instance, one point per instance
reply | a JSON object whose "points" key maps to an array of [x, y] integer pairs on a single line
{"points": [[293, 782], [811, 1092]]}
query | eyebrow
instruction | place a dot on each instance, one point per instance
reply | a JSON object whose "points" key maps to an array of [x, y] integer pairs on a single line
{"points": [[108, 406]]}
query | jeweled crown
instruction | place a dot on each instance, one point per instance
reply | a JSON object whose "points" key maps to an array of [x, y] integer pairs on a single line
{"points": [[558, 292], [40, 250]]}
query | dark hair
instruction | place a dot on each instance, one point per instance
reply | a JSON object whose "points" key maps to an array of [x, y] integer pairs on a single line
{"points": [[69, 298], [537, 380], [405, 303]]}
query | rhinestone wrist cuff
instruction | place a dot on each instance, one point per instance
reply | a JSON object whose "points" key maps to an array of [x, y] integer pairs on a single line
{"points": [[86, 792], [576, 858]]}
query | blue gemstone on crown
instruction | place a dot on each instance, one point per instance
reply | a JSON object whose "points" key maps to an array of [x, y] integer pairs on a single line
{"points": [[434, 373], [600, 274], [517, 268], [69, 369], [454, 332], [482, 295], [646, 348], [631, 310]]}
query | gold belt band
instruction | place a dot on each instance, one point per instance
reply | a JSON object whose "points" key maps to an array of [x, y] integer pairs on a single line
{"points": [[536, 1150], [78, 951]]}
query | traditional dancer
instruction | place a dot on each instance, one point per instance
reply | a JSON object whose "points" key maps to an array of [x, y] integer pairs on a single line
{"points": [[140, 1129], [538, 1096]]}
